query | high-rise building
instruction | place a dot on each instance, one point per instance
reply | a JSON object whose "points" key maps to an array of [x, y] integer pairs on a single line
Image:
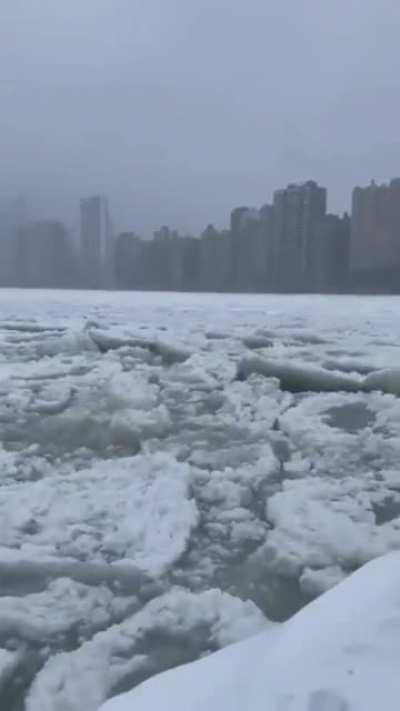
{"points": [[375, 232], [44, 256], [245, 242], [165, 255], [95, 242], [128, 261], [266, 259], [12, 216], [333, 250], [298, 210], [215, 259]]}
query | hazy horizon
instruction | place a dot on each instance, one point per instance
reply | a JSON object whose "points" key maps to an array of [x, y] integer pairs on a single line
{"points": [[179, 112]]}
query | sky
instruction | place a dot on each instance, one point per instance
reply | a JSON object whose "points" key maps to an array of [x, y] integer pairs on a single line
{"points": [[179, 110]]}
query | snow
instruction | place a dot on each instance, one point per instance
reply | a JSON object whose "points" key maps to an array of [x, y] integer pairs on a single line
{"points": [[166, 458], [338, 654]]}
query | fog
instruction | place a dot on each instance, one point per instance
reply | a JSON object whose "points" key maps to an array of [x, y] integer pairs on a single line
{"points": [[180, 109]]}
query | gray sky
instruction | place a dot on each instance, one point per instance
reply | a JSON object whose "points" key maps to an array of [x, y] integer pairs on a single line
{"points": [[182, 109]]}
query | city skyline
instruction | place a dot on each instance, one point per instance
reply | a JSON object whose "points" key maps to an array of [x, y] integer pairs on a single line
{"points": [[290, 244], [51, 205]]}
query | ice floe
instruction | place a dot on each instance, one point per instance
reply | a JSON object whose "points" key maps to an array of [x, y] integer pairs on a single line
{"points": [[165, 631], [148, 456], [136, 509]]}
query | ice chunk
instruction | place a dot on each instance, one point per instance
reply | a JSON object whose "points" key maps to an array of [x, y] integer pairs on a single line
{"points": [[54, 407], [323, 429], [130, 425], [346, 365], [106, 342], [338, 654], [168, 354], [316, 582], [32, 566], [256, 342], [29, 327], [322, 523], [216, 335], [64, 606], [307, 338], [109, 408], [141, 645], [297, 378], [9, 662], [135, 509], [70, 342], [386, 380]]}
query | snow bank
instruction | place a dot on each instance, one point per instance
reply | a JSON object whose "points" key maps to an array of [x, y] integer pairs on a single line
{"points": [[338, 654]]}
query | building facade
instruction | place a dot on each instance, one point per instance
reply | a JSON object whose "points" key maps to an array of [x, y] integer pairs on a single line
{"points": [[13, 215], [375, 234], [215, 260], [44, 256], [248, 250], [298, 211], [127, 261], [266, 275], [95, 242], [333, 250]]}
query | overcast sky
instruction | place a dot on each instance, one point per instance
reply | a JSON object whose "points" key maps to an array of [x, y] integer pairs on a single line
{"points": [[182, 109]]}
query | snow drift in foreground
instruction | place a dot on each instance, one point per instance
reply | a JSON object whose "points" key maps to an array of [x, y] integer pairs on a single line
{"points": [[338, 654]]}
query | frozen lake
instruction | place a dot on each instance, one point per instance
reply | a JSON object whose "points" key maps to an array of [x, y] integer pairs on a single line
{"points": [[175, 468]]}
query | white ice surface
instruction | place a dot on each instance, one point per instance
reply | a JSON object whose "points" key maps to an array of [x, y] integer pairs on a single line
{"points": [[142, 455]]}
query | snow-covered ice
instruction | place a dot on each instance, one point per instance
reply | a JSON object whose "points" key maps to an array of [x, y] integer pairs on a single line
{"points": [[176, 470], [134, 510]]}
